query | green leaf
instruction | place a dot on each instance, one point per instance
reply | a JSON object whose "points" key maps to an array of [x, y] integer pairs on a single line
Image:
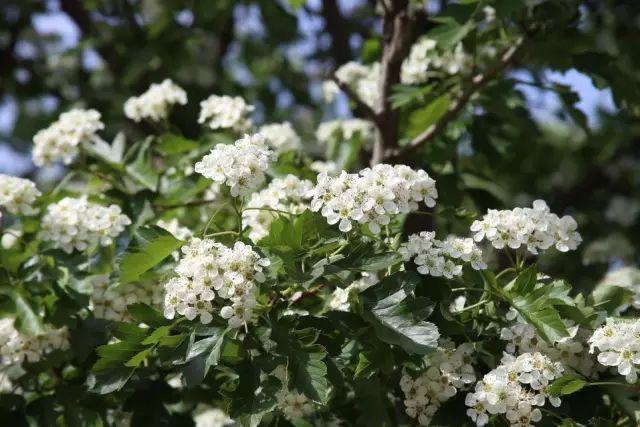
{"points": [[128, 332], [390, 307], [525, 281], [137, 360], [566, 384], [157, 335], [111, 154], [201, 356], [423, 118], [109, 381], [152, 245], [365, 368], [376, 262], [144, 313], [119, 351], [175, 144], [27, 320], [142, 169], [537, 311], [449, 32], [611, 297], [309, 372]]}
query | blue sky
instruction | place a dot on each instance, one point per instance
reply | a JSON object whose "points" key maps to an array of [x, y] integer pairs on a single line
{"points": [[543, 104]]}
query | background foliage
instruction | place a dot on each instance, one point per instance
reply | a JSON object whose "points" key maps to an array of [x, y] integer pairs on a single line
{"points": [[493, 153]]}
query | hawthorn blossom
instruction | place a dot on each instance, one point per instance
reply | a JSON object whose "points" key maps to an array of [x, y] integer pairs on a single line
{"points": [[516, 389], [17, 195], [240, 166], [225, 112], [441, 258], [449, 370], [78, 224], [281, 137], [155, 104], [535, 228], [372, 196], [618, 345], [214, 279], [61, 140]]}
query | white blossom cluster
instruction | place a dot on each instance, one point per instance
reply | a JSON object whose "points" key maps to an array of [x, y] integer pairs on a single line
{"points": [[613, 247], [345, 130], [110, 303], [340, 297], [210, 271], [618, 345], [289, 194], [372, 196], [212, 417], [362, 79], [76, 223], [516, 388], [449, 369], [294, 405], [155, 104], [61, 140], [329, 167], [536, 228], [240, 166], [622, 210], [225, 112], [17, 195], [281, 137], [441, 258], [424, 58], [16, 347], [572, 351]]}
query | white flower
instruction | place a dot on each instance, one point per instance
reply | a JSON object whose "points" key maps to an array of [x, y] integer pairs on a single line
{"points": [[424, 60], [618, 344], [329, 168], [212, 417], [61, 140], [110, 302], [155, 104], [240, 166], [289, 194], [225, 112], [17, 195], [281, 137], [340, 297], [210, 275], [77, 224], [345, 130], [536, 228], [16, 347], [623, 210], [373, 196], [571, 351], [449, 370], [515, 388], [362, 79], [441, 258], [294, 405]]}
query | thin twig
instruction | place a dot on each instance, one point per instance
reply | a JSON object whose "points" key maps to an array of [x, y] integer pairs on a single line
{"points": [[476, 83], [353, 96]]}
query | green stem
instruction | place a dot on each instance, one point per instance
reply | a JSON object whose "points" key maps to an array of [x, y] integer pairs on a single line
{"points": [[472, 306], [268, 209]]}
